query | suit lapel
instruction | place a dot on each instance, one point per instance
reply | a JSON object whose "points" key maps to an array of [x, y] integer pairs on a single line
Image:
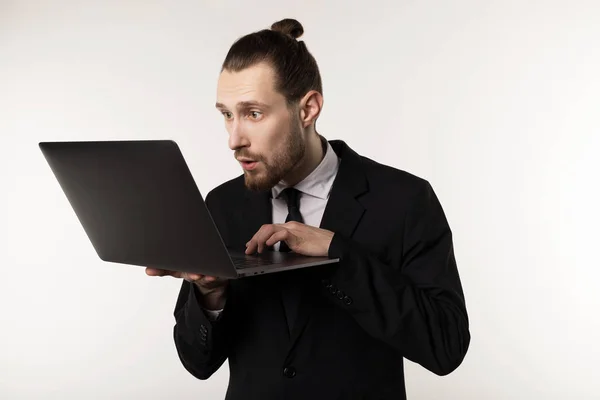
{"points": [[342, 214]]}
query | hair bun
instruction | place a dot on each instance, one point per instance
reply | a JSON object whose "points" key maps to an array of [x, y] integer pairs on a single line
{"points": [[289, 27]]}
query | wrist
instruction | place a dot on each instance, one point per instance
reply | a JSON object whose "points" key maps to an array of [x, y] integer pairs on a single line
{"points": [[212, 299]]}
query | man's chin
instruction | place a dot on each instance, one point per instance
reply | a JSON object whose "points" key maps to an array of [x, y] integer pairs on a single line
{"points": [[258, 184]]}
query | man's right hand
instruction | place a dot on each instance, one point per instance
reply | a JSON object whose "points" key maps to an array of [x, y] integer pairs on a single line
{"points": [[212, 288]]}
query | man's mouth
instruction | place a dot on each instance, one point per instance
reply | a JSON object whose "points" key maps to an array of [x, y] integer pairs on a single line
{"points": [[248, 165]]}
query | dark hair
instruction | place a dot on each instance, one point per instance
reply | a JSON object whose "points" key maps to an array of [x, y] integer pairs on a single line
{"points": [[296, 69]]}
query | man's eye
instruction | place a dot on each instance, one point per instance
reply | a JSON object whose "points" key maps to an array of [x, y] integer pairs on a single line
{"points": [[227, 115], [255, 114]]}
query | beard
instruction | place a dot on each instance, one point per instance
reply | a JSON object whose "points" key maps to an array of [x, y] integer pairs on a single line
{"points": [[280, 165]]}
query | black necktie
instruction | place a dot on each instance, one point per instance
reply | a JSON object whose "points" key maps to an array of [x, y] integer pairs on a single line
{"points": [[292, 198], [290, 287]]}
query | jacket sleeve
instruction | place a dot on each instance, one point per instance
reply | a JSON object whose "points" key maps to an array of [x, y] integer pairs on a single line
{"points": [[413, 302], [200, 343]]}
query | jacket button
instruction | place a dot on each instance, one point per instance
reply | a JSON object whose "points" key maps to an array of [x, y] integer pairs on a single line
{"points": [[340, 295], [347, 300], [289, 372], [333, 289]]}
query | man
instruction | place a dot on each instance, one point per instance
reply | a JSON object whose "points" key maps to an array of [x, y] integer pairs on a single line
{"points": [[339, 331]]}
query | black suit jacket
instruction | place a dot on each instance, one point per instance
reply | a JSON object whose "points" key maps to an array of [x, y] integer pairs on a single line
{"points": [[395, 294]]}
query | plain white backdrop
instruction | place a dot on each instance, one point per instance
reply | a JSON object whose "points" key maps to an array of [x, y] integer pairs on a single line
{"points": [[495, 102]]}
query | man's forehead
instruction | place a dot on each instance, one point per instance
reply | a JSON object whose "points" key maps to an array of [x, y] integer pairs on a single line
{"points": [[250, 84]]}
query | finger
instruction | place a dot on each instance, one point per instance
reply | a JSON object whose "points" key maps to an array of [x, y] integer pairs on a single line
{"points": [[266, 234], [282, 235], [293, 224], [261, 239], [257, 241], [163, 272], [191, 277], [156, 272], [251, 245], [211, 282]]}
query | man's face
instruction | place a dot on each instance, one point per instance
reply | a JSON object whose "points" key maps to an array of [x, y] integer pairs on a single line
{"points": [[266, 136]]}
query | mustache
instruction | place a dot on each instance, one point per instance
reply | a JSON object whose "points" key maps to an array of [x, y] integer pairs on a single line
{"points": [[246, 154]]}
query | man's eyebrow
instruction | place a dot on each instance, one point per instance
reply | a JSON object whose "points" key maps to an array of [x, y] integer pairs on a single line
{"points": [[243, 104]]}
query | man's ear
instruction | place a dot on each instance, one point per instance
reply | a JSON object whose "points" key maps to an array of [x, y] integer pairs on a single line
{"points": [[310, 107]]}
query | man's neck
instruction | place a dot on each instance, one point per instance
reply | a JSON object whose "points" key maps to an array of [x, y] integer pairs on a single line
{"points": [[315, 151]]}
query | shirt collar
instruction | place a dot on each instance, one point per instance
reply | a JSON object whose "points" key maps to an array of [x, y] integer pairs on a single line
{"points": [[319, 182]]}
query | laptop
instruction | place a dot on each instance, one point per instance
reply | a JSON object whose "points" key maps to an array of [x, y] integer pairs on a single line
{"points": [[139, 205]]}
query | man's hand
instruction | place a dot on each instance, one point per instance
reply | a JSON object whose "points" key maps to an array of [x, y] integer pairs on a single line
{"points": [[212, 288], [204, 281], [300, 238]]}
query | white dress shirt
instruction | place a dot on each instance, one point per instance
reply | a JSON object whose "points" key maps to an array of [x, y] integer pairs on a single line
{"points": [[314, 194]]}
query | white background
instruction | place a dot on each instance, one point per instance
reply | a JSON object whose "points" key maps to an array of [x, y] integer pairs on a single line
{"points": [[496, 103]]}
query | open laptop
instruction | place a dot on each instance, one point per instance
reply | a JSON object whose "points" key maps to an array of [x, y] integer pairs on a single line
{"points": [[139, 205]]}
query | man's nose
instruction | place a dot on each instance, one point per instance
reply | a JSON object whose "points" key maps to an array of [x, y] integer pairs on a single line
{"points": [[237, 138]]}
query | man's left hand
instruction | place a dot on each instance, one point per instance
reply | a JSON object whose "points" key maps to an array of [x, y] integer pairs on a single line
{"points": [[300, 238]]}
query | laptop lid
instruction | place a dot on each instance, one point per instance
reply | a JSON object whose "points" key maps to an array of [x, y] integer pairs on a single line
{"points": [[139, 204]]}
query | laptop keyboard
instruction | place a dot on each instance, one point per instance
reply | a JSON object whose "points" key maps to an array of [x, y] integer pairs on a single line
{"points": [[249, 262]]}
